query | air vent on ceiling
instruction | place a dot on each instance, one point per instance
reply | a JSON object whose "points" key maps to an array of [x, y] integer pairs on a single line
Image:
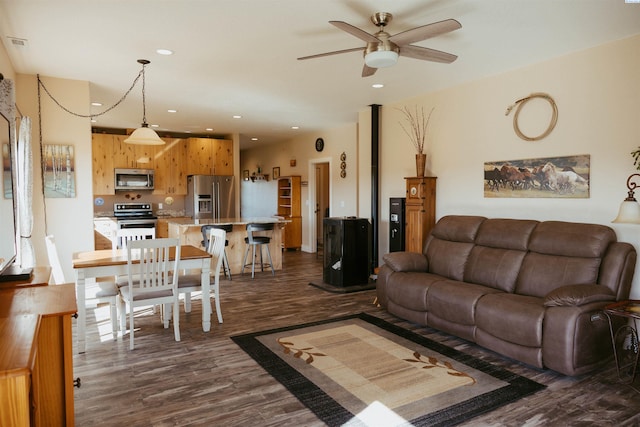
{"points": [[17, 42]]}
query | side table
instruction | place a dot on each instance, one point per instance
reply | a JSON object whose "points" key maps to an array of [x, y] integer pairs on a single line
{"points": [[625, 339]]}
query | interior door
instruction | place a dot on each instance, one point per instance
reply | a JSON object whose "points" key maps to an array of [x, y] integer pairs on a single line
{"points": [[322, 200]]}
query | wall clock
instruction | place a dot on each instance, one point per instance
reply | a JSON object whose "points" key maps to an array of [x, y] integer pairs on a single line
{"points": [[319, 144]]}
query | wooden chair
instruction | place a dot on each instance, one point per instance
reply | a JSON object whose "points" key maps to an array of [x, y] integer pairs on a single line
{"points": [[107, 293], [252, 240], [154, 280], [228, 228], [189, 283]]}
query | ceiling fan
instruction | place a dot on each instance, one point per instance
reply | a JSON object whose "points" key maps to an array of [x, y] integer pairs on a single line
{"points": [[382, 50]]}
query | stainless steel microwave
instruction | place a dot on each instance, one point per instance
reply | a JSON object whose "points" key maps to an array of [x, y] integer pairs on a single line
{"points": [[133, 179]]}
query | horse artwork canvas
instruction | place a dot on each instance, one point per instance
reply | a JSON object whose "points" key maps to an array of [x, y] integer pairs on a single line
{"points": [[566, 177]]}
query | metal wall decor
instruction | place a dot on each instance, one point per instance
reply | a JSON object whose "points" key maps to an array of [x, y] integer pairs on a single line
{"points": [[343, 165], [521, 103]]}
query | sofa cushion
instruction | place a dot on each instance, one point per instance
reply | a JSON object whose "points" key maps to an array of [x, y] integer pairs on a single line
{"points": [[577, 295], [497, 268], [513, 318], [448, 259], [456, 301], [410, 289], [506, 233], [457, 228], [571, 239], [540, 274]]}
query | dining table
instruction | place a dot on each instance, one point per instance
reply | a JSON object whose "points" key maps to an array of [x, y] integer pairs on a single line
{"points": [[108, 263]]}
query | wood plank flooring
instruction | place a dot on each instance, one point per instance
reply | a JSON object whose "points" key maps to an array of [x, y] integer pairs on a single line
{"points": [[205, 379]]}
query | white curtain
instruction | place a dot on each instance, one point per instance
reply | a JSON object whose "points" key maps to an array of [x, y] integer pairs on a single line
{"points": [[25, 193]]}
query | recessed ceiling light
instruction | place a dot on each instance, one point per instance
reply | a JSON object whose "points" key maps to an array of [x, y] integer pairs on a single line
{"points": [[254, 139], [155, 126], [209, 129], [96, 104], [295, 127], [94, 121], [172, 111], [377, 85], [237, 117], [164, 52]]}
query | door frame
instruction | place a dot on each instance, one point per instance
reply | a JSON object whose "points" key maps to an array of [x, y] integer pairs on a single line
{"points": [[313, 198]]}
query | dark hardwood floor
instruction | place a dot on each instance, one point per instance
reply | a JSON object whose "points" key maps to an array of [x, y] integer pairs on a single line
{"points": [[205, 379]]}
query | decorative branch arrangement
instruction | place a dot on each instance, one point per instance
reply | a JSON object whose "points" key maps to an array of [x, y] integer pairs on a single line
{"points": [[419, 125], [636, 158]]}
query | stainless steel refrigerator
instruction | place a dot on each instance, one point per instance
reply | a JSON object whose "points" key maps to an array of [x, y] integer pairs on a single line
{"points": [[210, 197]]}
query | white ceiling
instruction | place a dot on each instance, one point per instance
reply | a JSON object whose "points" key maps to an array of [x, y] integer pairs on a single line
{"points": [[239, 57]]}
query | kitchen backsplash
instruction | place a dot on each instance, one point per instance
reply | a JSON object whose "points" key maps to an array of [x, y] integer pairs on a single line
{"points": [[167, 206]]}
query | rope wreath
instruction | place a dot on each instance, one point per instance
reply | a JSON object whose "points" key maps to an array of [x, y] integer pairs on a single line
{"points": [[520, 103]]}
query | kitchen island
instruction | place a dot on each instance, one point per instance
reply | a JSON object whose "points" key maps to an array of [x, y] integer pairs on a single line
{"points": [[188, 231]]}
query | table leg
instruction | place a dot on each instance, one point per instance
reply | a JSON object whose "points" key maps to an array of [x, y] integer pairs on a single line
{"points": [[206, 294], [82, 310]]}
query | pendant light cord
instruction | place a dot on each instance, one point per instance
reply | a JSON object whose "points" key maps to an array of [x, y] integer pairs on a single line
{"points": [[90, 116], [144, 102]]}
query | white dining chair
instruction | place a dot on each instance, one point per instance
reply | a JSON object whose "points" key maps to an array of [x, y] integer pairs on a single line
{"points": [[152, 281], [124, 235], [190, 283], [107, 292]]}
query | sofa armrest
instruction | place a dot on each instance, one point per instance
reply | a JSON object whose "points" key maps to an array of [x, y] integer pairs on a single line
{"points": [[406, 261], [577, 295]]}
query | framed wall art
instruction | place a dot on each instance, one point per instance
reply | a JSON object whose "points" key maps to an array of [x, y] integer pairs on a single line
{"points": [[276, 172], [556, 177], [58, 168]]}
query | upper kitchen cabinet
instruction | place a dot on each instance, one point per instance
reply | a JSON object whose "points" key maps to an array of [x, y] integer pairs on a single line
{"points": [[132, 156], [102, 155], [207, 156], [170, 167]]}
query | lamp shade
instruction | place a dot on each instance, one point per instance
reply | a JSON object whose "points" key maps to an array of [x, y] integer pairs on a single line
{"points": [[144, 136], [629, 213], [381, 58]]}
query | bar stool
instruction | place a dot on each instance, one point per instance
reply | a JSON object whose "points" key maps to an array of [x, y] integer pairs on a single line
{"points": [[260, 240], [228, 228]]}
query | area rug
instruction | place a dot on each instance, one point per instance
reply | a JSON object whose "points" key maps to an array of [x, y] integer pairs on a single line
{"points": [[361, 370]]}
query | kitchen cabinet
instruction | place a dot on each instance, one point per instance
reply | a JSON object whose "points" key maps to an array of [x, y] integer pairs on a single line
{"points": [[420, 211], [171, 168], [103, 232], [289, 208], [110, 152], [102, 161], [206, 156], [36, 321]]}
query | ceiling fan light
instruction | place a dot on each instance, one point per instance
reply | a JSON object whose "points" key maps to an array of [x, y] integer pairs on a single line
{"points": [[144, 136], [381, 58]]}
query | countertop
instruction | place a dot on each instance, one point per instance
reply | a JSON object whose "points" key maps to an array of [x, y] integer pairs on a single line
{"points": [[234, 221]]}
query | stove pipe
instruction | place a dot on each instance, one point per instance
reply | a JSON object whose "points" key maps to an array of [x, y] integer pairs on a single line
{"points": [[375, 139]]}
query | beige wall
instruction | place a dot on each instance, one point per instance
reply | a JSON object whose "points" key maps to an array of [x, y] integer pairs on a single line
{"points": [[70, 220]]}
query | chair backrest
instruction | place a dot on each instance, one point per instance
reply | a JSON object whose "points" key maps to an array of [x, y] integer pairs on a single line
{"points": [[155, 271], [217, 238], [205, 231], [124, 235], [54, 261], [258, 226]]}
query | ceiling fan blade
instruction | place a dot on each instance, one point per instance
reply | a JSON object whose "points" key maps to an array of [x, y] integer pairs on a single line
{"points": [[335, 52], [424, 32], [427, 54], [368, 71], [355, 31]]}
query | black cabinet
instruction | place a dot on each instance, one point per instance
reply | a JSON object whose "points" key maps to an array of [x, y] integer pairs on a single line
{"points": [[346, 252]]}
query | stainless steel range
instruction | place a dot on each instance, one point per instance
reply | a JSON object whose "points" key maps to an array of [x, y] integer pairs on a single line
{"points": [[134, 215]]}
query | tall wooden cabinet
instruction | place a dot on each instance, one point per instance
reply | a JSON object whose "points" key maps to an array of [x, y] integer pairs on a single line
{"points": [[420, 211], [289, 207]]}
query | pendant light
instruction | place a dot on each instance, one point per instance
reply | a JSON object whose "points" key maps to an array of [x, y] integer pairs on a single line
{"points": [[144, 135]]}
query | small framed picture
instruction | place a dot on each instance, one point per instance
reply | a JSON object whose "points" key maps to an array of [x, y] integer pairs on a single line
{"points": [[245, 174], [276, 172]]}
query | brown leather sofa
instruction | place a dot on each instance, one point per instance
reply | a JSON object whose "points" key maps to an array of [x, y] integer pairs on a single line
{"points": [[533, 291]]}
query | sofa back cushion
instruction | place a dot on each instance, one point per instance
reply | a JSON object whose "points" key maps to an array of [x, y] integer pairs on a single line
{"points": [[448, 246], [563, 253]]}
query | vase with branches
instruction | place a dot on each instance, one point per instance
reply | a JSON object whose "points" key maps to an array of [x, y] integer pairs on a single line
{"points": [[417, 132]]}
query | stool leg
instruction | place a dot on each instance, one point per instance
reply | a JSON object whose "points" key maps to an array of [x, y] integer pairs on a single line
{"points": [[273, 271], [225, 265], [253, 261], [261, 260], [244, 262]]}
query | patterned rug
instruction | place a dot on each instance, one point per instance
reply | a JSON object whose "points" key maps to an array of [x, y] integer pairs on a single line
{"points": [[361, 370]]}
